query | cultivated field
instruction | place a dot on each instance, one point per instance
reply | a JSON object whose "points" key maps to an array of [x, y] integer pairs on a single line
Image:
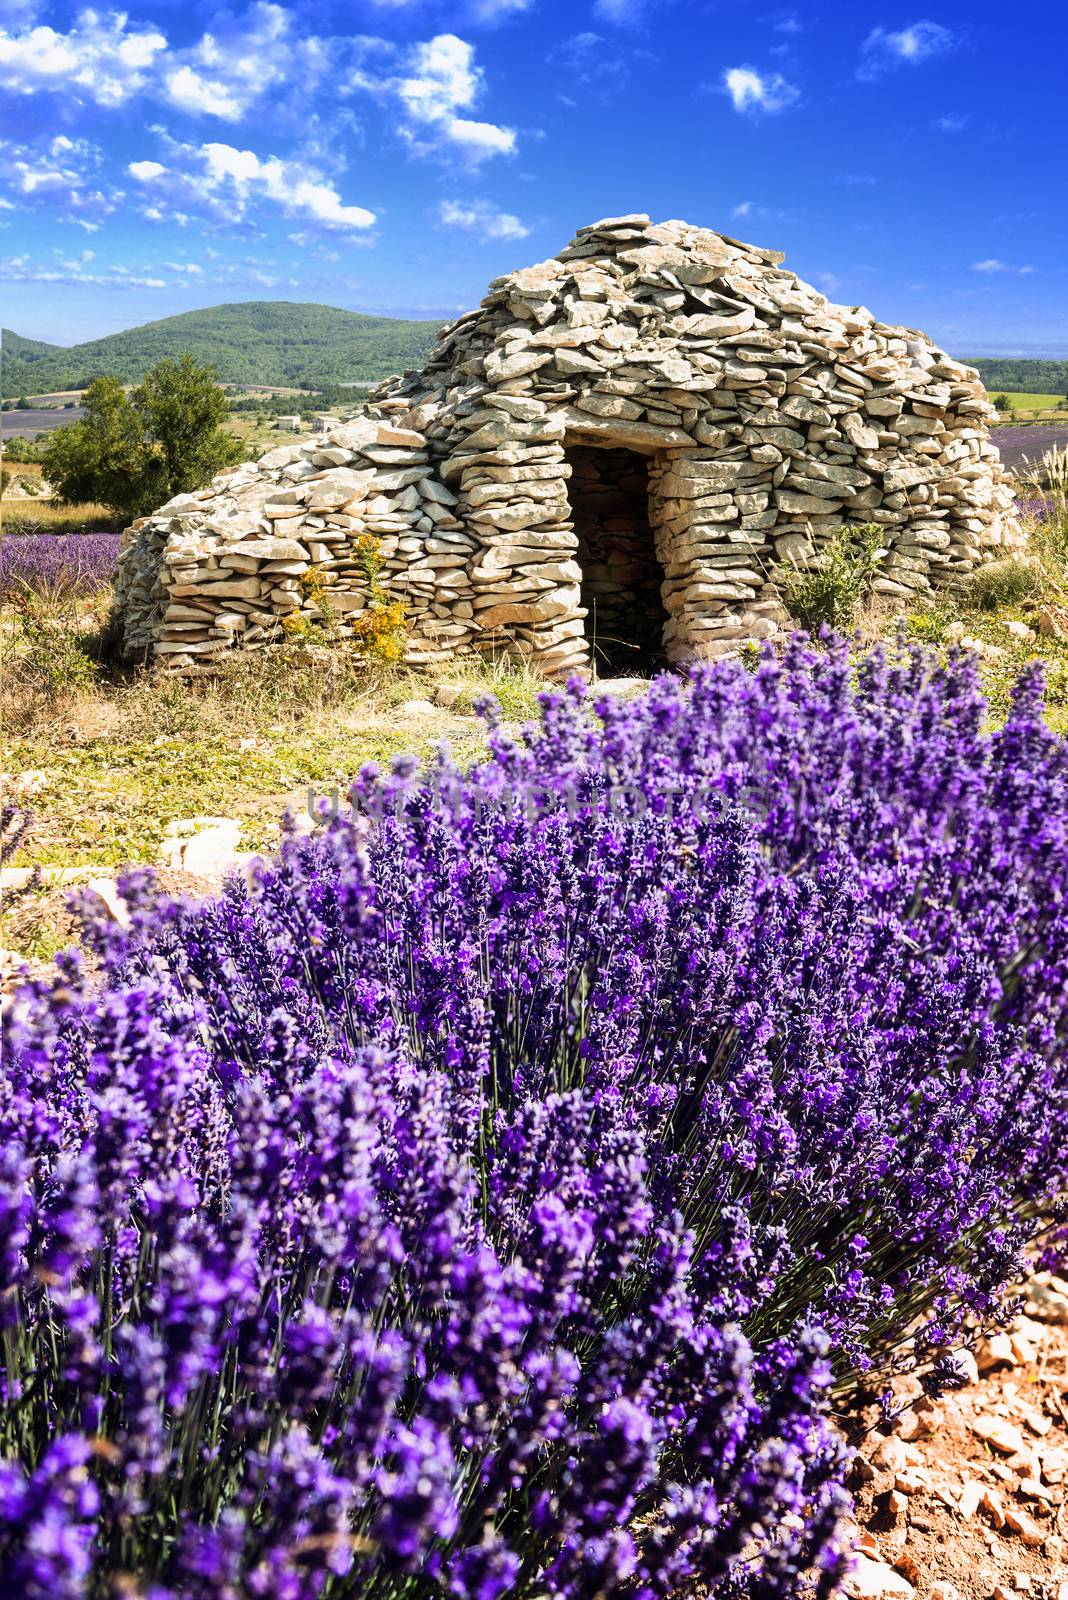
{"points": [[1023, 446], [1040, 403], [37, 421]]}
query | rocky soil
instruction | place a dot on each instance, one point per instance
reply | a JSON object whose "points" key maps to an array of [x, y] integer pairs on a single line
{"points": [[965, 1498]]}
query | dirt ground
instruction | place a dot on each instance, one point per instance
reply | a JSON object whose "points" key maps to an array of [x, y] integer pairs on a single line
{"points": [[965, 1498]]}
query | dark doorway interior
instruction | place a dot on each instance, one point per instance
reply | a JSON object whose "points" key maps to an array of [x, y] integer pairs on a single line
{"points": [[621, 576]]}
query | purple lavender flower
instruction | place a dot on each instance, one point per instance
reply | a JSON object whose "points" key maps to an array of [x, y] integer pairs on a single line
{"points": [[75, 563], [489, 1197], [47, 1524]]}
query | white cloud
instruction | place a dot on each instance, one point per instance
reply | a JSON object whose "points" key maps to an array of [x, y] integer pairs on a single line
{"points": [[478, 140], [104, 58], [255, 56], [443, 81], [229, 180], [622, 12], [20, 269], [478, 216], [754, 92], [750, 211], [228, 71], [298, 190], [61, 176], [192, 91], [829, 282], [495, 10], [99, 59], [444, 78], [920, 41], [992, 265], [179, 219], [952, 122]]}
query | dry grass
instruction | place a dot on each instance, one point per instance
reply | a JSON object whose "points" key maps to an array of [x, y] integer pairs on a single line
{"points": [[46, 516], [115, 755], [259, 435], [22, 469]]}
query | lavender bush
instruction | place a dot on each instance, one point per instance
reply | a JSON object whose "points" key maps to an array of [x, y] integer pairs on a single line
{"points": [[79, 563], [483, 1202], [1040, 507]]}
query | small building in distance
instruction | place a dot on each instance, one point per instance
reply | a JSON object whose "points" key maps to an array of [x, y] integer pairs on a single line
{"points": [[611, 463], [289, 424]]}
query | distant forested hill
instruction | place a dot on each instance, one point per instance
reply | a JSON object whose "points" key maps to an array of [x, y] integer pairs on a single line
{"points": [[271, 342], [277, 342], [1016, 375]]}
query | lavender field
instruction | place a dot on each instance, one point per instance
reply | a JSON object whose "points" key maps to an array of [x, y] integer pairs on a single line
{"points": [[494, 1197], [1023, 447], [82, 563]]}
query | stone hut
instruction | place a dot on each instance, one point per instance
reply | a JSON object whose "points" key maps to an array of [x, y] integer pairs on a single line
{"points": [[608, 463]]}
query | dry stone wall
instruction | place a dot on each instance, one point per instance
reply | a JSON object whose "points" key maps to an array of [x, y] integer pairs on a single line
{"points": [[759, 416]]}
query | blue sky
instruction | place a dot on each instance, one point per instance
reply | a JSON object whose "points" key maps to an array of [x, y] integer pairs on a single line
{"points": [[395, 155]]}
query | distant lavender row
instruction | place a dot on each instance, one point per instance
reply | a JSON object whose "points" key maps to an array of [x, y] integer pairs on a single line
{"points": [[84, 562], [1039, 507]]}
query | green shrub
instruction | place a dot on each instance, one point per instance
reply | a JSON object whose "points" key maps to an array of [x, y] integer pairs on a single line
{"points": [[1006, 582], [929, 625], [23, 450], [57, 634], [829, 592]]}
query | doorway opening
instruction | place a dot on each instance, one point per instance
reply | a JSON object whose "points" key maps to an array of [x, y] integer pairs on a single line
{"points": [[621, 576]]}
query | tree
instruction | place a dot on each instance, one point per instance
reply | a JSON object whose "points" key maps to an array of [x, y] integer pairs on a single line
{"points": [[1002, 402], [183, 407], [133, 452], [104, 458]]}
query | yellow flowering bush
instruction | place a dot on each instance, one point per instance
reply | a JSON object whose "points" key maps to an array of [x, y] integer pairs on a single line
{"points": [[378, 631]]}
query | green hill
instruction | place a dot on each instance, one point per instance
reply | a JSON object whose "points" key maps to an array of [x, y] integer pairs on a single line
{"points": [[1017, 374], [279, 342], [270, 342]]}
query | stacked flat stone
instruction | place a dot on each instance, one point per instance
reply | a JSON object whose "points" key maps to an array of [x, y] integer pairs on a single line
{"points": [[768, 416], [222, 569]]}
